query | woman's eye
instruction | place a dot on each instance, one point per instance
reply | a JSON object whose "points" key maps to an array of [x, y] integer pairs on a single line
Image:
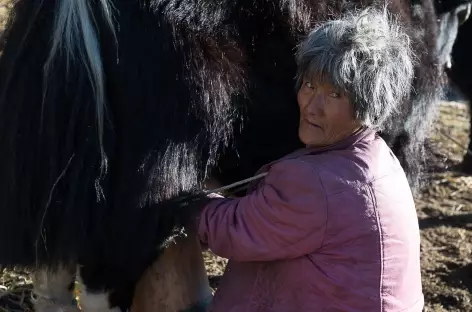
{"points": [[334, 95], [309, 85]]}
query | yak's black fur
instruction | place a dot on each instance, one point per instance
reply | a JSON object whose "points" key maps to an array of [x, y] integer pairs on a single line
{"points": [[461, 76], [182, 79], [270, 125]]}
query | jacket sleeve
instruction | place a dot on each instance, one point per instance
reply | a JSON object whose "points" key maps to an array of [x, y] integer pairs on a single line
{"points": [[284, 218]]}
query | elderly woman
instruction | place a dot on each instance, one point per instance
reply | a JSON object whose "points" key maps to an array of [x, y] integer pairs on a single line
{"points": [[332, 227]]}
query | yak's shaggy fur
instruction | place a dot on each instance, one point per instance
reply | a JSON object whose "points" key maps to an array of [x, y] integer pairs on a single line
{"points": [[269, 128], [461, 76], [108, 108]]}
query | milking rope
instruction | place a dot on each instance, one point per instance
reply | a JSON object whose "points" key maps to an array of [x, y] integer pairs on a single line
{"points": [[230, 186], [219, 189]]}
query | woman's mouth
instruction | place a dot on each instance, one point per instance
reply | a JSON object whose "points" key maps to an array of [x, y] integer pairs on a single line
{"points": [[312, 124]]}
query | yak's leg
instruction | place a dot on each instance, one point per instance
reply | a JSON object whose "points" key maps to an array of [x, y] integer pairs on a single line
{"points": [[176, 282], [53, 289]]}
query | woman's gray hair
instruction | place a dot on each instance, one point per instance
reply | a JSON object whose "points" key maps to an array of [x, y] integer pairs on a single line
{"points": [[366, 54]]}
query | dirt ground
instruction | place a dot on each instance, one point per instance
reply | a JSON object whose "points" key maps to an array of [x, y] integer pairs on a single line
{"points": [[445, 214]]}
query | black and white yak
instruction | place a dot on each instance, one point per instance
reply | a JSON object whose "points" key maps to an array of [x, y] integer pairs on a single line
{"points": [[110, 109]]}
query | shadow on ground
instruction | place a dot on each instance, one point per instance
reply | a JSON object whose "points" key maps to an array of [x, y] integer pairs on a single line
{"points": [[459, 276], [458, 221]]}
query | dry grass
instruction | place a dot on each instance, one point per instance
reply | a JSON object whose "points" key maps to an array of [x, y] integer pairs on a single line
{"points": [[15, 291], [445, 213], [4, 6]]}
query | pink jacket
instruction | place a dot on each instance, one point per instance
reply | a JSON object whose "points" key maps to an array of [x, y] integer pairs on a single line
{"points": [[330, 229]]}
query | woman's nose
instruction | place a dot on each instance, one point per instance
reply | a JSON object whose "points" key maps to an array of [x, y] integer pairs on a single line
{"points": [[316, 103]]}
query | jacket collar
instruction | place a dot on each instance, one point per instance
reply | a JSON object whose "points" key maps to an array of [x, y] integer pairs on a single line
{"points": [[343, 144]]}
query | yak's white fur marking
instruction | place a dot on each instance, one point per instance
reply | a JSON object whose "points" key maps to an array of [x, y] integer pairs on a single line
{"points": [[75, 35], [94, 302], [51, 289]]}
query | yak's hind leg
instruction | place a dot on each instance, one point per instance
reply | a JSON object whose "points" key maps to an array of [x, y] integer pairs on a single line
{"points": [[53, 289], [176, 282]]}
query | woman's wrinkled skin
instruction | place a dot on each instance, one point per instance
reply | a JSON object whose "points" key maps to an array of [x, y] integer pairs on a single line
{"points": [[326, 114]]}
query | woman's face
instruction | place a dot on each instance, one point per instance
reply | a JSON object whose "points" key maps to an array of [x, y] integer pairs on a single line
{"points": [[326, 115]]}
